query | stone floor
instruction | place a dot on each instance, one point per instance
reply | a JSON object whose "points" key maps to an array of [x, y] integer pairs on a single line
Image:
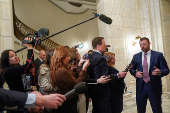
{"points": [[130, 105]]}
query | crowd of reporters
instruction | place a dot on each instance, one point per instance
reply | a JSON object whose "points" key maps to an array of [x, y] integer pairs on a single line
{"points": [[62, 70]]}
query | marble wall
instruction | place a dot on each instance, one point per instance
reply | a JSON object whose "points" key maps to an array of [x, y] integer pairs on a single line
{"points": [[6, 25], [52, 17], [165, 19], [130, 19], [121, 32]]}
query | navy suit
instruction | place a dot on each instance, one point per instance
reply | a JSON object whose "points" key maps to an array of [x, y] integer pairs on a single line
{"points": [[12, 99], [99, 93], [152, 90], [116, 91]]}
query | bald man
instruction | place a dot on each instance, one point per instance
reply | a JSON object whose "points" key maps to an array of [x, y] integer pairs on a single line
{"points": [[40, 60]]}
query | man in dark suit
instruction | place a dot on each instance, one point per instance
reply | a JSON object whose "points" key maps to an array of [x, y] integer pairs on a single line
{"points": [[13, 100], [40, 60], [100, 93], [149, 67]]}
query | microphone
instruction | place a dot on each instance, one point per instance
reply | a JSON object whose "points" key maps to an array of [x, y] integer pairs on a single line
{"points": [[77, 89], [132, 62], [42, 32], [104, 18]]}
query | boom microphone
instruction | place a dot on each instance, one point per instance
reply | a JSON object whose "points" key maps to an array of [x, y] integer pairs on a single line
{"points": [[104, 18], [132, 62], [77, 89]]}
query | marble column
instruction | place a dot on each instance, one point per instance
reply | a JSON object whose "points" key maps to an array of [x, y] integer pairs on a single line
{"points": [[6, 25], [165, 24]]}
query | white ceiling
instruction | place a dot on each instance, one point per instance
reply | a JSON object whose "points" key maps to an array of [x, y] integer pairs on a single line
{"points": [[68, 8]]}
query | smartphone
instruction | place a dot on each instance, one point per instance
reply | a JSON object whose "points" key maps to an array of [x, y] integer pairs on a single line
{"points": [[80, 46]]}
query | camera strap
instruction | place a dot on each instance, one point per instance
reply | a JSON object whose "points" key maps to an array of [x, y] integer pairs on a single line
{"points": [[30, 60]]}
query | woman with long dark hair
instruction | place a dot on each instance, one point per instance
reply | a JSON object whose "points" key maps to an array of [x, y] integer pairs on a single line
{"points": [[64, 79], [11, 70]]}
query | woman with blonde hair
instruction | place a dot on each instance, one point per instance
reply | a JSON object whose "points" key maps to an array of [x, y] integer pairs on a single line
{"points": [[117, 86], [64, 79], [44, 73]]}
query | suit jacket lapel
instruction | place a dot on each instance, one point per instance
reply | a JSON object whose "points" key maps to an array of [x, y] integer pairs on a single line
{"points": [[151, 58], [39, 61], [140, 60]]}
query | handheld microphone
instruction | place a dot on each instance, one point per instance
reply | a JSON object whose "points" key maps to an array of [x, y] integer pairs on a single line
{"points": [[132, 62], [77, 89], [104, 18]]}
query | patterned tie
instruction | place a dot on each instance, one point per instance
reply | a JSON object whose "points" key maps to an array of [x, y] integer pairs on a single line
{"points": [[145, 69]]}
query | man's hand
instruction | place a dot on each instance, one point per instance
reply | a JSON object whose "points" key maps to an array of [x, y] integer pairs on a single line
{"points": [[50, 101], [139, 74], [122, 74], [156, 72]]}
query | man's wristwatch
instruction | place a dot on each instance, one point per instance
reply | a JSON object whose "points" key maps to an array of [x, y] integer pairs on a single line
{"points": [[118, 75]]}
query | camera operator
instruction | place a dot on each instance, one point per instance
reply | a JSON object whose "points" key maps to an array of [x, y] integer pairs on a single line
{"points": [[11, 70]]}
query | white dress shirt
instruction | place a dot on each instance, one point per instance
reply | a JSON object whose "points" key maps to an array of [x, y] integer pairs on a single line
{"points": [[96, 51], [30, 102], [40, 59]]}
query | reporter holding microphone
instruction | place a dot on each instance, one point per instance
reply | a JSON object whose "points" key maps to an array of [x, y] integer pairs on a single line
{"points": [[117, 86], [17, 101], [11, 70], [63, 78]]}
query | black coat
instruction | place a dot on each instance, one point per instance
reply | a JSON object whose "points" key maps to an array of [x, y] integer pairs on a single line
{"points": [[37, 64], [97, 68], [12, 75], [116, 91]]}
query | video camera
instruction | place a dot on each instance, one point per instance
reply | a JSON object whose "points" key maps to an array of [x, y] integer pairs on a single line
{"points": [[42, 32]]}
